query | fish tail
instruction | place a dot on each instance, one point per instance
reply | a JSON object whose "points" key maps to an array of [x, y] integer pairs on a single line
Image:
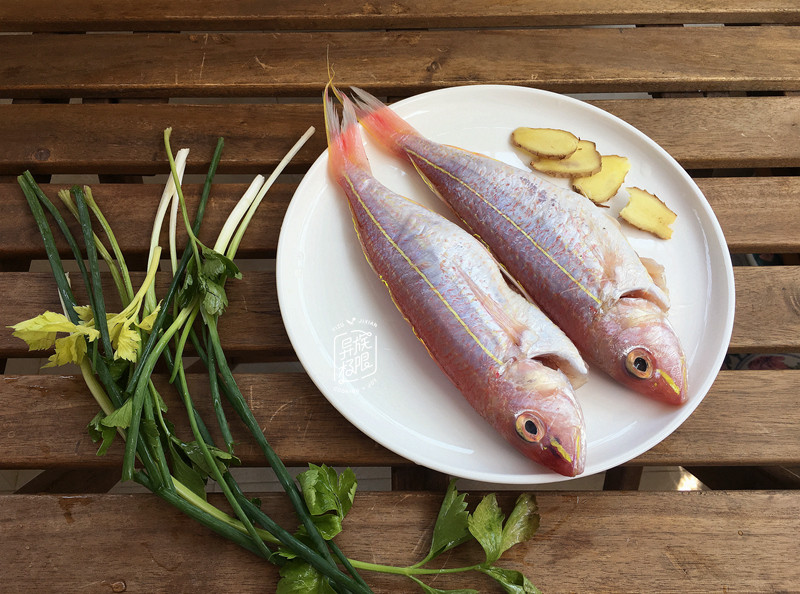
{"points": [[345, 147], [381, 122]]}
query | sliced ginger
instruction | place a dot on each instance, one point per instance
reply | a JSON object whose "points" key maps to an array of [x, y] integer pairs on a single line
{"points": [[601, 186], [647, 212], [547, 143], [584, 161]]}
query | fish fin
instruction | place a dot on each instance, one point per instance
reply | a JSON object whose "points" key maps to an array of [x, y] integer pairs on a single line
{"points": [[512, 327], [345, 145], [381, 122], [656, 272], [514, 281]]}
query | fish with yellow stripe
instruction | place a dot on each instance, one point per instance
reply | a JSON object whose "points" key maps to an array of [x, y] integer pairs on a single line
{"points": [[570, 257], [511, 363]]}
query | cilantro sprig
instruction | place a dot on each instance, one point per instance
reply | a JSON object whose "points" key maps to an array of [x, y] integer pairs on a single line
{"points": [[117, 353]]}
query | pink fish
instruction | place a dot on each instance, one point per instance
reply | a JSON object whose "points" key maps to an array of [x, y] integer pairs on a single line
{"points": [[570, 257], [510, 362]]}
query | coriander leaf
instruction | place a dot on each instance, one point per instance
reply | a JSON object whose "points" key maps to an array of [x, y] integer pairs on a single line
{"points": [[120, 417], [451, 527], [486, 525], [512, 581], [523, 522], [431, 590], [298, 577], [324, 491], [99, 432]]}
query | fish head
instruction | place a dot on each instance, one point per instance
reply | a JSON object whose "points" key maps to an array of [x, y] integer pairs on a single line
{"points": [[537, 412], [638, 347]]}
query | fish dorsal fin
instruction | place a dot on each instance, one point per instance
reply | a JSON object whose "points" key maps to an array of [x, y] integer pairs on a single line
{"points": [[512, 327], [656, 272]]}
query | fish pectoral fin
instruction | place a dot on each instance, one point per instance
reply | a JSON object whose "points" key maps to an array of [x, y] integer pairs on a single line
{"points": [[511, 326], [656, 272]]}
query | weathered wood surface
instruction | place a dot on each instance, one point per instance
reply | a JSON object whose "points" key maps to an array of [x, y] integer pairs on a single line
{"points": [[748, 418], [757, 214], [19, 236], [720, 132], [202, 52], [767, 315], [286, 64], [153, 15], [587, 542]]}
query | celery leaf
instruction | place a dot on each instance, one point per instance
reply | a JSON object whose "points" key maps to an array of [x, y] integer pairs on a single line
{"points": [[486, 525], [451, 527], [298, 577], [512, 581]]}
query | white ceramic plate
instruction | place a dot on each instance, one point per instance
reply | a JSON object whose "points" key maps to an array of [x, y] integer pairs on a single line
{"points": [[363, 356]]}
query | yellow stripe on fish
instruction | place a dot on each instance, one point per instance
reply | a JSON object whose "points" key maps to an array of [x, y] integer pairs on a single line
{"points": [[420, 273], [511, 221]]}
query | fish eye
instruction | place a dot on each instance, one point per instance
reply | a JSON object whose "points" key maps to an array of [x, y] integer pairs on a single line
{"points": [[639, 363], [530, 427]]}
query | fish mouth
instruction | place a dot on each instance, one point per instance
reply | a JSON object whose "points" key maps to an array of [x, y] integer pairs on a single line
{"points": [[566, 458], [671, 388]]}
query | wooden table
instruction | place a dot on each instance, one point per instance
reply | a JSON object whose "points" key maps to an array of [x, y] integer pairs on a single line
{"points": [[723, 100]]}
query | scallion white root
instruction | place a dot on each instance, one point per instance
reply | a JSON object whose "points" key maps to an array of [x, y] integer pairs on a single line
{"points": [[168, 196], [237, 239], [237, 213]]}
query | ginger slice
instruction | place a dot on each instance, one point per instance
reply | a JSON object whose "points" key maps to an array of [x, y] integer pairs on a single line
{"points": [[583, 162], [601, 186], [549, 143], [648, 213]]}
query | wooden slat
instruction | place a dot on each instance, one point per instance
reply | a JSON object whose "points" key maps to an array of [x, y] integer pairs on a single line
{"points": [[99, 138], [767, 311], [299, 423], [699, 542], [43, 424], [153, 15], [763, 403], [699, 133], [757, 215], [255, 65], [19, 237], [252, 326]]}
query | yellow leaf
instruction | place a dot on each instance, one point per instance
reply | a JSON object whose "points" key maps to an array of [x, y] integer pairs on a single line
{"points": [[147, 323], [127, 342], [70, 349], [84, 313], [40, 332]]}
